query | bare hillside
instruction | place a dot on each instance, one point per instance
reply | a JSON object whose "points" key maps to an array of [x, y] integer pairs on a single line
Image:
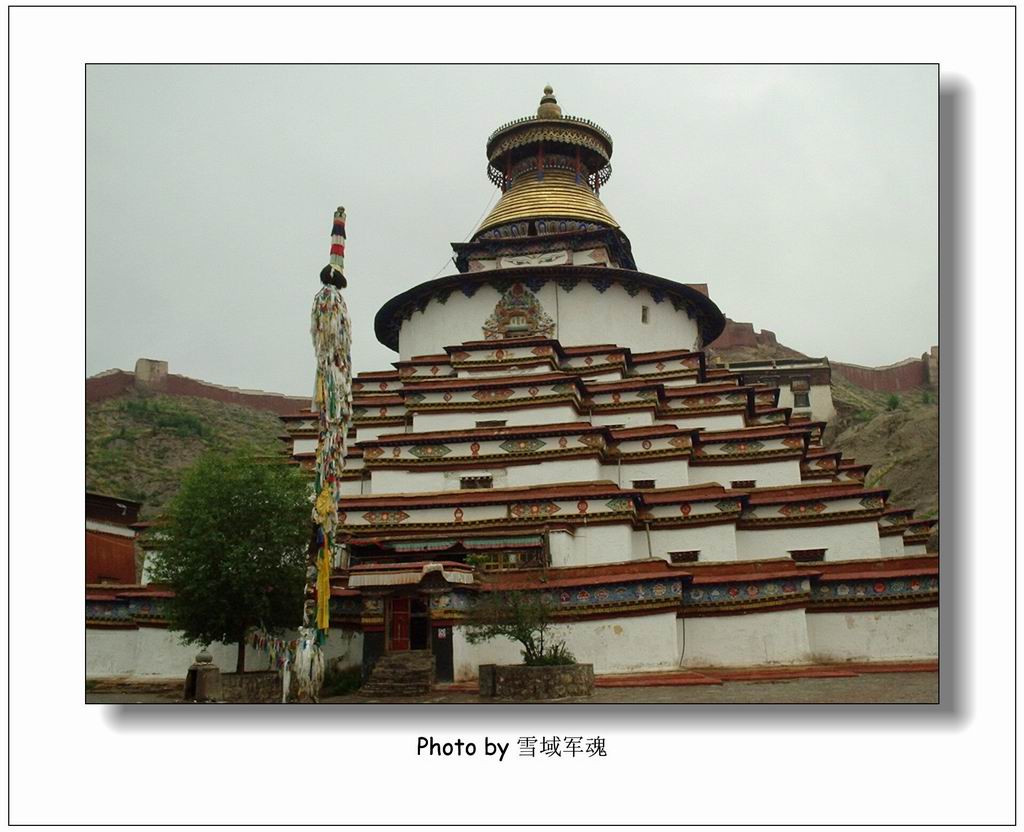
{"points": [[139, 445]]}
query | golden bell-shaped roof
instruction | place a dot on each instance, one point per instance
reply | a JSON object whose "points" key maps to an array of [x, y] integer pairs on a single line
{"points": [[558, 196]]}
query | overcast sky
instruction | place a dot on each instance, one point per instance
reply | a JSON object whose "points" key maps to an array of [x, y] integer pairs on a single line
{"points": [[805, 197]]}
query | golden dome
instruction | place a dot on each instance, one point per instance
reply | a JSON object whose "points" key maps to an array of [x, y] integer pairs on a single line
{"points": [[558, 196]]}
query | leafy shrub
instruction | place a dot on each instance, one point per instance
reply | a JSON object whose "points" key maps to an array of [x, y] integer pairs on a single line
{"points": [[477, 561], [893, 402], [166, 415], [556, 654], [524, 617]]}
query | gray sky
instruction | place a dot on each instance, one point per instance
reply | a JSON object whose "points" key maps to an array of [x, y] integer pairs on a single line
{"points": [[805, 197]]}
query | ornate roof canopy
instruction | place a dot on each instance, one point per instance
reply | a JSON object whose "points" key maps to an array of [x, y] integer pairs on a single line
{"points": [[549, 166]]}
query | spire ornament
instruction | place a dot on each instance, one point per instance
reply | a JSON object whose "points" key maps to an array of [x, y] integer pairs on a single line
{"points": [[549, 105]]}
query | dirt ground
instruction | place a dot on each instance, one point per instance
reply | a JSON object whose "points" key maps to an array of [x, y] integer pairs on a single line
{"points": [[870, 688]]}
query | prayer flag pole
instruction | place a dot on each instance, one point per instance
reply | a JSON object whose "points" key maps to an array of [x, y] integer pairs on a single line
{"points": [[332, 402]]}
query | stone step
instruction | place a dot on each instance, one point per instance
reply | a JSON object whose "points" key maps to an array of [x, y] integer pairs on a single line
{"points": [[395, 690], [401, 674]]}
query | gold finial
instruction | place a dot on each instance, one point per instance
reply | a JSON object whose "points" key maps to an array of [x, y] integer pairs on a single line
{"points": [[549, 105]]}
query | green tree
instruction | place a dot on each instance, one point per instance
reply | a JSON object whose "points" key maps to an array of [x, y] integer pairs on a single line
{"points": [[233, 548], [524, 617]]}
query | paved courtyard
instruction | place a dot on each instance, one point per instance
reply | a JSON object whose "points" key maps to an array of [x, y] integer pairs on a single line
{"points": [[869, 688]]}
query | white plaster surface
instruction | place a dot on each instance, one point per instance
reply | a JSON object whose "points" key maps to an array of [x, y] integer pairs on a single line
{"points": [[582, 316], [611, 543], [892, 545], [821, 407], [612, 645], [365, 433], [766, 472], [739, 640], [844, 541], [158, 652], [875, 635], [464, 420], [552, 471], [666, 473], [715, 542], [708, 421], [624, 419]]}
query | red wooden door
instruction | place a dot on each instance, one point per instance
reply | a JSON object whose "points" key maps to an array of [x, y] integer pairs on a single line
{"points": [[399, 624]]}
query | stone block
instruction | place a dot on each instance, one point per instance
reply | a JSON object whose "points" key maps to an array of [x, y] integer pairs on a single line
{"points": [[519, 681], [486, 675], [261, 686]]}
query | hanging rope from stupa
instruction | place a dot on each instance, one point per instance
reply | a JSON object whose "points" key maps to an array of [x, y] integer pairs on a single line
{"points": [[332, 402]]}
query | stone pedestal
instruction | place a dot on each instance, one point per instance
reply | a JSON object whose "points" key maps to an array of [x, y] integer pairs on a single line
{"points": [[202, 683], [520, 681], [486, 676], [255, 686]]}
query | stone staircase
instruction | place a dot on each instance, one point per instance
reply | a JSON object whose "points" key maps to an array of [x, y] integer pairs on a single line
{"points": [[406, 673]]}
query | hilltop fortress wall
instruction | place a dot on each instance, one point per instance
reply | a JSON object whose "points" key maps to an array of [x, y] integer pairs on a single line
{"points": [[152, 376], [892, 378]]}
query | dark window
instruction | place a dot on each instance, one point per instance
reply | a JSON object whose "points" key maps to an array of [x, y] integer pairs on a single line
{"points": [[526, 559], [689, 556], [476, 482], [744, 483], [645, 315], [807, 555], [491, 423], [801, 400], [643, 483]]}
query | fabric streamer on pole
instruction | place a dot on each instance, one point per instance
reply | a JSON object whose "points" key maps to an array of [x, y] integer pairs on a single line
{"points": [[332, 402]]}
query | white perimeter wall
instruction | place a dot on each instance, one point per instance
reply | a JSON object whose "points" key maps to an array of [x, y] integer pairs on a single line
{"points": [[776, 472], [367, 433], [464, 420], [715, 542], [877, 635], [740, 640], [612, 645], [708, 421], [395, 481], [626, 418], [158, 652], [844, 541], [822, 408], [611, 543], [666, 473], [891, 545], [582, 316]]}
